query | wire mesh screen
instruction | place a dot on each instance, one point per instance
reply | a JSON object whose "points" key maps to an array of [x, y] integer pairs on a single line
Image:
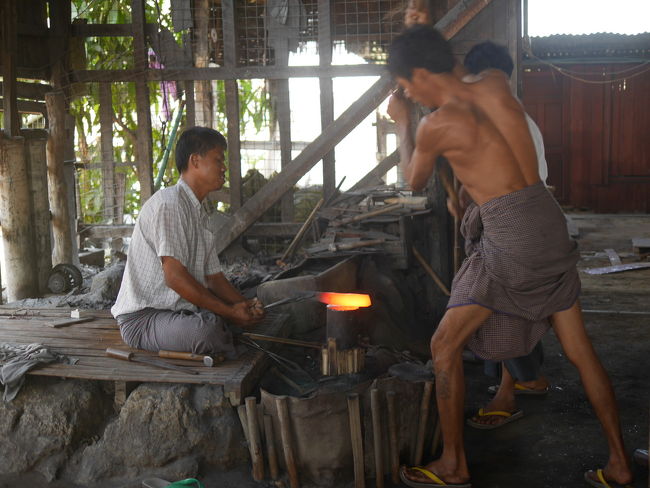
{"points": [[367, 27]]}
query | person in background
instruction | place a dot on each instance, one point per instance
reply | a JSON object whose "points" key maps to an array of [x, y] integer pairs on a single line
{"points": [[522, 375]]}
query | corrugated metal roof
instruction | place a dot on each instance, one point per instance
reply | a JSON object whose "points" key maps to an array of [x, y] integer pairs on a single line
{"points": [[601, 44]]}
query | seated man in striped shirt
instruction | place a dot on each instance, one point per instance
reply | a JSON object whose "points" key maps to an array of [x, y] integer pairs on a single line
{"points": [[173, 294]]}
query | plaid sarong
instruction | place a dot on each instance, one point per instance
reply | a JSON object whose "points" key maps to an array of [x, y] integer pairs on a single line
{"points": [[521, 264]]}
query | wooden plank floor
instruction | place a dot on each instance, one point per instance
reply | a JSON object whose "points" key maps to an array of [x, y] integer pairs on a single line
{"points": [[88, 341]]}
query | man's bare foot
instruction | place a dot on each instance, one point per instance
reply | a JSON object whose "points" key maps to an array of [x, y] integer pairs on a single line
{"points": [[439, 469]]}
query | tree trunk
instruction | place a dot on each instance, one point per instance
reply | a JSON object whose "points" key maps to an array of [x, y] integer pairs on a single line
{"points": [[15, 215], [35, 142], [58, 194]]}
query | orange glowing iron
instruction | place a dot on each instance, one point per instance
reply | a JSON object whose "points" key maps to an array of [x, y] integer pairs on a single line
{"points": [[345, 301]]}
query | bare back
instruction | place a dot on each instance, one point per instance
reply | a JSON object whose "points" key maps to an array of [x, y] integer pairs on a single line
{"points": [[484, 135]]}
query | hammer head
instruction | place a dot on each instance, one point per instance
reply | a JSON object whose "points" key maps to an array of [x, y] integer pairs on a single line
{"points": [[208, 361]]}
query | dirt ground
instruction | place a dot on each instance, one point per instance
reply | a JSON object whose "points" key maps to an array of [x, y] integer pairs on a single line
{"points": [[558, 438]]}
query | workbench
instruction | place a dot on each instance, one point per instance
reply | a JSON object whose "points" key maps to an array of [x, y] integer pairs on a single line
{"points": [[88, 341]]}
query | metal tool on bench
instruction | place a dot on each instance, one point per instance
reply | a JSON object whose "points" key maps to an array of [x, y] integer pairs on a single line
{"points": [[208, 361], [129, 356], [294, 299]]}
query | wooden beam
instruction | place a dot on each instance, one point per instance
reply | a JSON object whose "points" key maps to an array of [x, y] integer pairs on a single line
{"points": [[459, 16], [8, 47], [28, 107], [270, 193], [261, 229], [143, 105], [111, 30], [255, 207], [31, 91], [224, 73], [106, 140], [377, 172], [326, 92]]}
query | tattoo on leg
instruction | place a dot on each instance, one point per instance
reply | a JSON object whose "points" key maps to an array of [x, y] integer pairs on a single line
{"points": [[442, 385]]}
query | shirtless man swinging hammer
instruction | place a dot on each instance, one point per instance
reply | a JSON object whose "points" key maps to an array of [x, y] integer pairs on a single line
{"points": [[523, 268]]}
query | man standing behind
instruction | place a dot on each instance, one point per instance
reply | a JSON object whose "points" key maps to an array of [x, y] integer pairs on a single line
{"points": [[173, 294], [523, 265]]}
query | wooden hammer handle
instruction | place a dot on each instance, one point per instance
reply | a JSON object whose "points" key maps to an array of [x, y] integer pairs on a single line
{"points": [[180, 355]]}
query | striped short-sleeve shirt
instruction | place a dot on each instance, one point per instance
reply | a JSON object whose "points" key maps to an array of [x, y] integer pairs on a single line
{"points": [[171, 223]]}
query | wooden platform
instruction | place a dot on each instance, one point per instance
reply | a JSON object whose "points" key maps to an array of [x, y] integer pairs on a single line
{"points": [[88, 341]]}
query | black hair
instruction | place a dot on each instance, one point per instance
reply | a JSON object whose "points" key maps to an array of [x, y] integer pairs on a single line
{"points": [[486, 55], [420, 46], [197, 140]]}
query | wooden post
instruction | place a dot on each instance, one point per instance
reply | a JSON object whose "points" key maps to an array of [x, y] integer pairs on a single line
{"points": [[393, 439], [254, 442], [15, 215], [202, 88], [9, 36], [326, 92], [287, 441], [58, 194], [35, 142], [190, 110], [283, 107], [356, 435], [232, 106], [108, 163], [144, 150], [375, 407], [271, 453], [422, 422]]}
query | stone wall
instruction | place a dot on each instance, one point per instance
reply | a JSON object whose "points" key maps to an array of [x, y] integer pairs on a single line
{"points": [[70, 430]]}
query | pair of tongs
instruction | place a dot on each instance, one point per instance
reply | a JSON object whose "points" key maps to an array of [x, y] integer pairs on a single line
{"points": [[293, 299]]}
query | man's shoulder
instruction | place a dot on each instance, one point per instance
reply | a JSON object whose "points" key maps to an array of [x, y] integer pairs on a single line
{"points": [[165, 198], [451, 113]]}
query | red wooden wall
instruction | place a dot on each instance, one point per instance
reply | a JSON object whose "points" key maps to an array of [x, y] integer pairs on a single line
{"points": [[597, 136]]}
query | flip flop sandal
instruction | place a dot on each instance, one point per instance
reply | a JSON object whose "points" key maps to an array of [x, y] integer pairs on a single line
{"points": [[521, 390], [435, 480], [640, 456], [601, 482], [507, 418]]}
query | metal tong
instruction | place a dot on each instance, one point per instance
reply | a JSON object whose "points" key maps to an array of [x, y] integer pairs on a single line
{"points": [[293, 299]]}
